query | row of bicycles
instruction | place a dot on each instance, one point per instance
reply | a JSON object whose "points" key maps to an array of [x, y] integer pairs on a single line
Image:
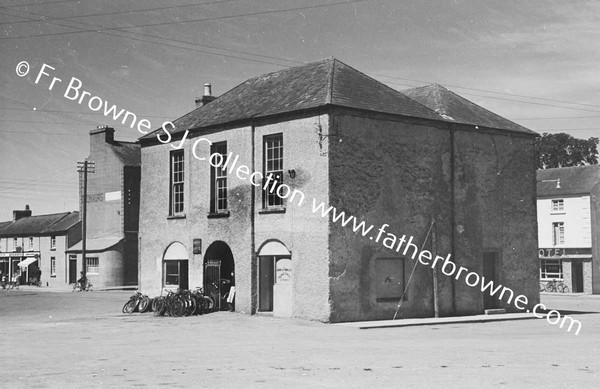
{"points": [[554, 286], [180, 303]]}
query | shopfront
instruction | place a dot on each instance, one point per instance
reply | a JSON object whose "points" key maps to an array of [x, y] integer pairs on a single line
{"points": [[570, 266]]}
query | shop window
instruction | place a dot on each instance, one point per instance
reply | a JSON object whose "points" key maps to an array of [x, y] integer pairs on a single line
{"points": [[53, 243], [273, 166], [558, 205], [558, 233], [551, 269], [176, 184], [53, 266], [92, 265], [218, 174], [389, 279]]}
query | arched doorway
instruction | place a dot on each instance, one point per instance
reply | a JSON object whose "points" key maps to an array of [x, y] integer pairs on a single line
{"points": [[219, 274], [175, 266], [275, 279]]}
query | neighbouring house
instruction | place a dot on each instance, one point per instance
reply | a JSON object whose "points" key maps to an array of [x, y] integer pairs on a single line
{"points": [[232, 192], [39, 242], [112, 212], [568, 207]]}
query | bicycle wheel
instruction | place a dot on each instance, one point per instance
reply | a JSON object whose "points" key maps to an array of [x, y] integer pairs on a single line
{"points": [[564, 289], [177, 307], [191, 305], [542, 287], [209, 303], [129, 306], [550, 287], [144, 305], [160, 307]]}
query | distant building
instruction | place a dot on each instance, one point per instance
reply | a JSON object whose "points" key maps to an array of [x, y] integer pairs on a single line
{"points": [[112, 212], [328, 132], [31, 242], [568, 208]]}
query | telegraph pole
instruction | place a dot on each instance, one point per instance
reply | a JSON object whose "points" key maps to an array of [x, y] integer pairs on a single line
{"points": [[84, 167]]}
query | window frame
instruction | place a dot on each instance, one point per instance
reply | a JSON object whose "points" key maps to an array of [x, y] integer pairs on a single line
{"points": [[15, 243], [218, 180], [272, 200], [53, 242], [52, 266], [544, 263], [176, 185], [30, 244], [89, 265], [560, 206], [558, 233], [165, 274]]}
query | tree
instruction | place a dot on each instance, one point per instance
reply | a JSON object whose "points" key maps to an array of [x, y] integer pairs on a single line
{"points": [[562, 150]]}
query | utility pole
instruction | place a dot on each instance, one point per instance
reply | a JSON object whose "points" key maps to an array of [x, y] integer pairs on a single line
{"points": [[84, 167]]}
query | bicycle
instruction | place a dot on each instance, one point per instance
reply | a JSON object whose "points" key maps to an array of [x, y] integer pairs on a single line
{"points": [[138, 301], [556, 286], [79, 288]]}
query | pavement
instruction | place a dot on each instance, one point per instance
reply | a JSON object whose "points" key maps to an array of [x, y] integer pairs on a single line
{"points": [[83, 340]]}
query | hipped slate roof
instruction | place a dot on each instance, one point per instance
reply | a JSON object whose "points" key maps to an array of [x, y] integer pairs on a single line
{"points": [[303, 87], [331, 82], [128, 152], [53, 224], [455, 108], [573, 180]]}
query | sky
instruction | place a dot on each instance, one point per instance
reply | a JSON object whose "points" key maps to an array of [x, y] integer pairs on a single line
{"points": [[536, 63]]}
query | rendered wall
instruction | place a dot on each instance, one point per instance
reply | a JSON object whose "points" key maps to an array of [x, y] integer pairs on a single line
{"points": [[400, 173]]}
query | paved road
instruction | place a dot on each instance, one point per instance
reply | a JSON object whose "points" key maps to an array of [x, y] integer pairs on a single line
{"points": [[64, 340]]}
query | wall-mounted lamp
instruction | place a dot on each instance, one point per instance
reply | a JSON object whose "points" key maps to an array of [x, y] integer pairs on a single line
{"points": [[557, 182], [292, 173]]}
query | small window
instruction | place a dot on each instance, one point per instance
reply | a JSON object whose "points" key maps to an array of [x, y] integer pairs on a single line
{"points": [[551, 269], [53, 266], [389, 279], [218, 197], [558, 233], [273, 166], [15, 244], [53, 243], [31, 243], [176, 185], [171, 273], [558, 205], [92, 265]]}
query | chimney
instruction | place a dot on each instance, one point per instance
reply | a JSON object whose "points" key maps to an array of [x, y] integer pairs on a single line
{"points": [[21, 213], [207, 98], [103, 134]]}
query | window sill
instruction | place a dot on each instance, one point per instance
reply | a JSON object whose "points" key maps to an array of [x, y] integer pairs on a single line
{"points": [[52, 275], [53, 249], [179, 216], [218, 215], [267, 211]]}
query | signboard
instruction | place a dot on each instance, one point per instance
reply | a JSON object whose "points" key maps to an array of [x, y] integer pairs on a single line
{"points": [[284, 271], [564, 252], [197, 246]]}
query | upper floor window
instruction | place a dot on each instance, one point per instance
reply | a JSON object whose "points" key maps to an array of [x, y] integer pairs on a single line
{"points": [[53, 243], [558, 233], [53, 266], [273, 165], [218, 174], [176, 184], [31, 243], [558, 205], [15, 244]]}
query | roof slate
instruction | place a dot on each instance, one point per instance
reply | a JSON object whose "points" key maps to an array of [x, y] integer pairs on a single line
{"points": [[128, 152], [575, 180], [455, 108], [294, 89], [40, 225]]}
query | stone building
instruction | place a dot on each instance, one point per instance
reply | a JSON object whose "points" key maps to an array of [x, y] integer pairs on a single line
{"points": [[112, 212], [568, 209], [425, 163], [40, 242]]}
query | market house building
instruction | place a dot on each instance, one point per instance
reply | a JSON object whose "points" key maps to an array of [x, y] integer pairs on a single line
{"points": [[30, 242], [568, 207], [329, 133], [113, 197]]}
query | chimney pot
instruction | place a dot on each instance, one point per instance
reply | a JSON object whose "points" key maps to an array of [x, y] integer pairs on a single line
{"points": [[206, 98], [207, 89]]}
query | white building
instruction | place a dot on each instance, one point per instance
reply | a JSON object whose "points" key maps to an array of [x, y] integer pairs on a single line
{"points": [[568, 209]]}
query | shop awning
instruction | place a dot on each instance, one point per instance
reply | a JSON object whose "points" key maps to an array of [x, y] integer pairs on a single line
{"points": [[26, 262]]}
